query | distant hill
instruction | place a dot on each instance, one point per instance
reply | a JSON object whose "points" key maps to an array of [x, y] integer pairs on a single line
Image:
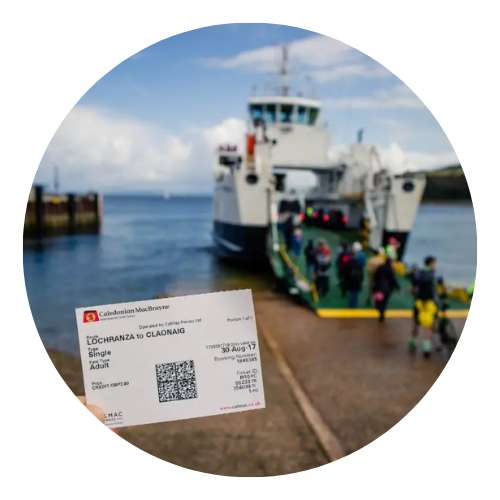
{"points": [[447, 183]]}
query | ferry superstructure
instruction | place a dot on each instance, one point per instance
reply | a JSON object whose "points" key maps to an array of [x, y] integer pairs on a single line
{"points": [[286, 133]]}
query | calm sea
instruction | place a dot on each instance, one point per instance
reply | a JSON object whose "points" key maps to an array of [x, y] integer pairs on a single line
{"points": [[151, 246]]}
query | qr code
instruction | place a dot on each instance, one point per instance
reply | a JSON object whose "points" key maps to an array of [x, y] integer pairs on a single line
{"points": [[176, 381]]}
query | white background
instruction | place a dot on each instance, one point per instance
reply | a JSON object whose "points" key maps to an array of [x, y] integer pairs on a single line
{"points": [[52, 52]]}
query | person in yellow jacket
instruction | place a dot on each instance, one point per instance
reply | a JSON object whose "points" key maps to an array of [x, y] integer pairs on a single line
{"points": [[425, 310]]}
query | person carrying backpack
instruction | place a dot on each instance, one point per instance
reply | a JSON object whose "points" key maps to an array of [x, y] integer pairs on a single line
{"points": [[310, 255], [384, 283], [425, 309], [342, 262]]}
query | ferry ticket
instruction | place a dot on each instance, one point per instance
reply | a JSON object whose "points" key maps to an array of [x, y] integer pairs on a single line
{"points": [[171, 359]]}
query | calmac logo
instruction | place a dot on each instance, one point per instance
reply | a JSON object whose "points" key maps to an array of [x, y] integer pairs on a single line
{"points": [[90, 316]]}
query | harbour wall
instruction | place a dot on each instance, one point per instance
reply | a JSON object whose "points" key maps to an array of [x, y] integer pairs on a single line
{"points": [[50, 214]]}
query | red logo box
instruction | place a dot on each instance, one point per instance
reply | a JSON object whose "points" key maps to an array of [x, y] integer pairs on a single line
{"points": [[90, 316]]}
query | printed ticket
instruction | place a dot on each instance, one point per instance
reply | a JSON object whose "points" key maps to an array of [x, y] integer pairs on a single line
{"points": [[171, 359]]}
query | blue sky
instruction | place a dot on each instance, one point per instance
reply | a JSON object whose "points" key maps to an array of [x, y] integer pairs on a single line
{"points": [[153, 122]]}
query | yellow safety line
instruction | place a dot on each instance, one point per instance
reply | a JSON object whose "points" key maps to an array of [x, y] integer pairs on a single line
{"points": [[373, 313], [314, 292]]}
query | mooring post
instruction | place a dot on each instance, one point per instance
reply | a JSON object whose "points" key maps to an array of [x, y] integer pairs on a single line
{"points": [[71, 213], [39, 211]]}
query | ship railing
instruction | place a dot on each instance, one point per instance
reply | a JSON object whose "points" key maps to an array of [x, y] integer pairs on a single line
{"points": [[302, 283]]}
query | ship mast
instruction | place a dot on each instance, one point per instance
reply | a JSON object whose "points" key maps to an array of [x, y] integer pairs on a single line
{"points": [[56, 179], [285, 87]]}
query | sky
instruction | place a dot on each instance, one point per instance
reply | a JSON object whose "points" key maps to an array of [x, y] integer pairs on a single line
{"points": [[152, 123]]}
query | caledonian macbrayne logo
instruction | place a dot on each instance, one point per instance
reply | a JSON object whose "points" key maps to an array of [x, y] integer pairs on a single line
{"points": [[90, 316]]}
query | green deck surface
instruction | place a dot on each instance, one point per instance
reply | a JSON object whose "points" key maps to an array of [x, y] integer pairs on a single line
{"points": [[400, 299]]}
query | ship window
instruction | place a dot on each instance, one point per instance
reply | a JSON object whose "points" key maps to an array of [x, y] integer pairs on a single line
{"points": [[256, 111], [313, 115], [301, 114], [270, 113], [286, 113]]}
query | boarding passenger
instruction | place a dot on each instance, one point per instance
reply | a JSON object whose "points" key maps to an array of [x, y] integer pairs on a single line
{"points": [[323, 264], [392, 248], [470, 290], [342, 262], [310, 255], [294, 203], [384, 284], [374, 262], [446, 330], [354, 274], [297, 241], [441, 291], [372, 265], [289, 210], [288, 228], [358, 253], [425, 309]]}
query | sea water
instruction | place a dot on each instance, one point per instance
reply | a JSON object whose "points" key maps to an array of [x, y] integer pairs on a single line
{"points": [[151, 246]]}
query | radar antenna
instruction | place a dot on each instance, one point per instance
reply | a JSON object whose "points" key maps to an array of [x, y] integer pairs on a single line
{"points": [[361, 133]]}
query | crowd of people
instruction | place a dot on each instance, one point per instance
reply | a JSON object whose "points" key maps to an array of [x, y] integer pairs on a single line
{"points": [[352, 267]]}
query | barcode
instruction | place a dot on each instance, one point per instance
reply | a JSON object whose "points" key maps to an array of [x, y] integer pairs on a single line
{"points": [[176, 381]]}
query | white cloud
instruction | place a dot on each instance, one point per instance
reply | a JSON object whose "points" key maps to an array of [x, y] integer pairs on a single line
{"points": [[321, 51], [398, 160], [323, 58], [328, 75], [198, 173], [98, 150], [314, 51], [95, 149], [396, 97], [230, 131]]}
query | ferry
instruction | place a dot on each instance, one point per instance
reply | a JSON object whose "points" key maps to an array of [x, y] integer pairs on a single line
{"points": [[357, 192]]}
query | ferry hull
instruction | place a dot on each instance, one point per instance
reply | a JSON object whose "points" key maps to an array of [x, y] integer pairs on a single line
{"points": [[241, 242]]}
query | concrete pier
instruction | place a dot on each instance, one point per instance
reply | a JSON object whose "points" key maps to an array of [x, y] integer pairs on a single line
{"points": [[332, 386]]}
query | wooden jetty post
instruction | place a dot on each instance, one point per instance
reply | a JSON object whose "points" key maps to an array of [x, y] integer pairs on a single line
{"points": [[39, 211]]}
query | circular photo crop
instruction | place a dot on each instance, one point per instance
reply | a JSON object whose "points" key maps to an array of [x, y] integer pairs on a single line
{"points": [[250, 250]]}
